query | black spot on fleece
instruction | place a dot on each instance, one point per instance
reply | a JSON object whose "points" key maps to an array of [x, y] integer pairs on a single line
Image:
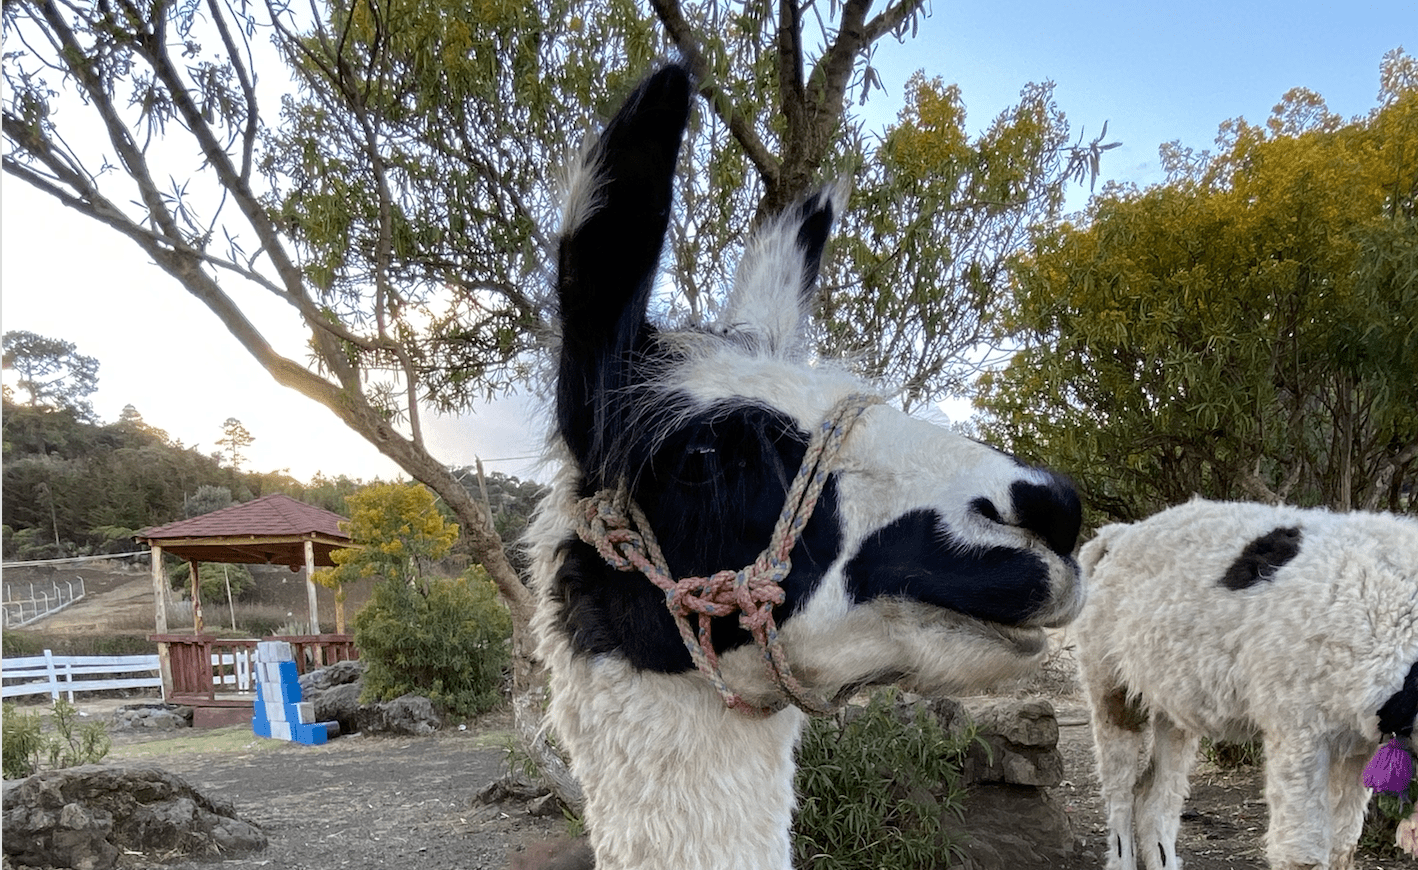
{"points": [[1262, 558]]}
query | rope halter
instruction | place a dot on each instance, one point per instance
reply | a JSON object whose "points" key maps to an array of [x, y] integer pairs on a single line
{"points": [[615, 525]]}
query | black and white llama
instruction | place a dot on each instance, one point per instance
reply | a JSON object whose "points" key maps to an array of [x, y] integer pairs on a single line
{"points": [[1235, 621], [810, 539]]}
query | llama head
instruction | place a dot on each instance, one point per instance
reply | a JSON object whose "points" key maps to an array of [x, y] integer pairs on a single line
{"points": [[931, 560]]}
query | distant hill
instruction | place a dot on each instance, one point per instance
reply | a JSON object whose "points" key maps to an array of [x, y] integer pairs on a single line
{"points": [[72, 487]]}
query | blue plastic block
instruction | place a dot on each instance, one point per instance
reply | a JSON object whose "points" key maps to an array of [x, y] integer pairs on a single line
{"points": [[260, 726], [311, 735], [289, 673]]}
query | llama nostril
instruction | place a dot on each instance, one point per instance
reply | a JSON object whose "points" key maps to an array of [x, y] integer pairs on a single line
{"points": [[1050, 510]]}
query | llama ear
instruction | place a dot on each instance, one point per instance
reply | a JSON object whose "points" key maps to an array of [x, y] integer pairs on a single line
{"points": [[777, 280], [616, 215]]}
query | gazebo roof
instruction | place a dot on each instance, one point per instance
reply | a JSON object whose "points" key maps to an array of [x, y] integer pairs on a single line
{"points": [[272, 529]]}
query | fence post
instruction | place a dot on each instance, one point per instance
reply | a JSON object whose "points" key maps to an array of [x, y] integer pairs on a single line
{"points": [[53, 675]]}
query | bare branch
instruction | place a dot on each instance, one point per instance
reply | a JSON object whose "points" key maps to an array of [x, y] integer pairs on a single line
{"points": [[740, 125]]}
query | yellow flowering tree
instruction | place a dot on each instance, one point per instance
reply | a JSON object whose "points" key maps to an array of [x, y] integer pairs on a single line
{"points": [[1248, 329], [399, 530]]}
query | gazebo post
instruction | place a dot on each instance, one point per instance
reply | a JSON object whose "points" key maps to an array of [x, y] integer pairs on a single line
{"points": [[196, 596], [160, 585], [310, 586]]}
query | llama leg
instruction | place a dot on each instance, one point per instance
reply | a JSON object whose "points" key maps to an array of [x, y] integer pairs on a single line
{"points": [[1297, 787], [1164, 789], [1348, 798], [1118, 736]]}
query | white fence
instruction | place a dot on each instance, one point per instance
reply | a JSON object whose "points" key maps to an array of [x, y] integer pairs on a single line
{"points": [[25, 605], [50, 674], [232, 671]]}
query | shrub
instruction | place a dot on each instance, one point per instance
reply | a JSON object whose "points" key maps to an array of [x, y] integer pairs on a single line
{"points": [[25, 745], [214, 577], [20, 743], [447, 639], [17, 643], [873, 785]]}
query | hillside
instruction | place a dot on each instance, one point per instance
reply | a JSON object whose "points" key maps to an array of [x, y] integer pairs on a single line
{"points": [[119, 602]]}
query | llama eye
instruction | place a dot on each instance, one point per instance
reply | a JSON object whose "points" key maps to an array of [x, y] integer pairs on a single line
{"points": [[986, 508]]}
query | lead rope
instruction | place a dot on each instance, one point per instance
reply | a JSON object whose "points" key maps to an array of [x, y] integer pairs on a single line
{"points": [[615, 525]]}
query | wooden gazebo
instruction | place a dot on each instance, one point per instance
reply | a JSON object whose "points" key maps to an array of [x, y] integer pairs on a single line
{"points": [[271, 530]]}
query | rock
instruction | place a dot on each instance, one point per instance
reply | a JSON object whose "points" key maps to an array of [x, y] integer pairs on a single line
{"points": [[161, 717], [407, 714], [335, 693], [338, 674], [1022, 737], [1011, 827], [86, 817], [545, 806], [339, 704], [1009, 820], [1026, 723]]}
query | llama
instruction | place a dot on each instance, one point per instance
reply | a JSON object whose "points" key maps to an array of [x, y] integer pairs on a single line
{"points": [[880, 549], [1234, 620]]}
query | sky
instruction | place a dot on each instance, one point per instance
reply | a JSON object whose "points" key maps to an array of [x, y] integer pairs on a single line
{"points": [[1154, 72]]}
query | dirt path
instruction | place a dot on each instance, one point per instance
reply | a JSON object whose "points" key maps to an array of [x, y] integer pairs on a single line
{"points": [[358, 802]]}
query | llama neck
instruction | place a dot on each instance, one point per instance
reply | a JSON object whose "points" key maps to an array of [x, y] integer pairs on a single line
{"points": [[672, 778]]}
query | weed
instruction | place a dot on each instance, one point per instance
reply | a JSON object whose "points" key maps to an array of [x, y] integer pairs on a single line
{"points": [[27, 745], [1233, 756]]}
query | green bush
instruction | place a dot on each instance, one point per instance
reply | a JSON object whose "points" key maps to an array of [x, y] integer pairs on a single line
{"points": [[447, 639], [26, 746], [21, 744], [873, 786], [16, 643], [214, 577]]}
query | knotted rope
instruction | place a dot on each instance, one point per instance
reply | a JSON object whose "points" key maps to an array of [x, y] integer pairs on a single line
{"points": [[615, 525]]}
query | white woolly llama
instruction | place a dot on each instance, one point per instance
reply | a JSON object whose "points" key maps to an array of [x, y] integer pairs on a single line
{"points": [[1232, 621], [881, 549]]}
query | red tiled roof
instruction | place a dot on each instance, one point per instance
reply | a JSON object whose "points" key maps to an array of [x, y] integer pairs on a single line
{"points": [[269, 515]]}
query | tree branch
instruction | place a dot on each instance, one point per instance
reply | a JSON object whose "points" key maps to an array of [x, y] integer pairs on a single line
{"points": [[740, 125]]}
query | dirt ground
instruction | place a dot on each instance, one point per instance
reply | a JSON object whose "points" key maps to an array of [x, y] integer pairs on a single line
{"points": [[357, 802], [370, 802]]}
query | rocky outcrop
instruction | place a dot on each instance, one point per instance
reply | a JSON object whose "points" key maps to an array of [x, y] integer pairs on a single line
{"points": [[86, 817], [335, 692], [1010, 821]]}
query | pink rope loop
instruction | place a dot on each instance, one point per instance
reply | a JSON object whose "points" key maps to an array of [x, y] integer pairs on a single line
{"points": [[618, 529]]}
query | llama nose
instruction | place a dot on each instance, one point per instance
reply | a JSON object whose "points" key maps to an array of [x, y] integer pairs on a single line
{"points": [[1049, 507]]}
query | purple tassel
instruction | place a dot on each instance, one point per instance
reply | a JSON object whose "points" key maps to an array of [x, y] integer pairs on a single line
{"points": [[1391, 768]]}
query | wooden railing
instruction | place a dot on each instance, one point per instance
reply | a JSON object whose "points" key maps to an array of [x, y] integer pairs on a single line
{"points": [[204, 666]]}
